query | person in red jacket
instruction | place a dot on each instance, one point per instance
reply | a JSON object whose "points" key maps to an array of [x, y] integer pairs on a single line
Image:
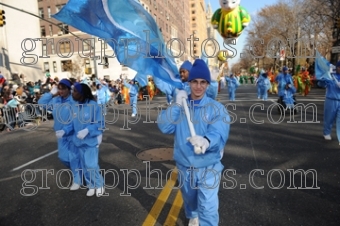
{"points": [[2, 82]]}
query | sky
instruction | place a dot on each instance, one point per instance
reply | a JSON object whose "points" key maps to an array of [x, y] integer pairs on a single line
{"points": [[252, 6]]}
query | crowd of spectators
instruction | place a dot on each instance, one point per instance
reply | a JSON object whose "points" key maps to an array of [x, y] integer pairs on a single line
{"points": [[16, 93]]}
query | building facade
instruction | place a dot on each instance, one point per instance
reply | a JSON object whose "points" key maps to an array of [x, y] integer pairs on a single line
{"points": [[69, 52], [67, 56], [212, 47], [173, 20], [18, 50], [198, 23]]}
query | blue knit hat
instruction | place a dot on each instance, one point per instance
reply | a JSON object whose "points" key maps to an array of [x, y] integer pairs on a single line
{"points": [[186, 65], [66, 82], [284, 68], [79, 88], [199, 70]]}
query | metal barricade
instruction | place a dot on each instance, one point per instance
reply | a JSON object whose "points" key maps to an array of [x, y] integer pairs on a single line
{"points": [[20, 117]]}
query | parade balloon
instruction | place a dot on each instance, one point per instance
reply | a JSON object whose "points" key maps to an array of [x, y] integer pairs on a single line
{"points": [[222, 55], [230, 19]]}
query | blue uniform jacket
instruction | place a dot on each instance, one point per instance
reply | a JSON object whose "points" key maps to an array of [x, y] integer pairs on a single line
{"points": [[210, 119], [232, 83], [103, 95], [85, 115], [133, 89], [282, 82], [61, 109], [332, 89]]}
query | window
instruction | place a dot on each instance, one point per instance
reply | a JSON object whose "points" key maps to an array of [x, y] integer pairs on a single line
{"points": [[50, 30], [44, 50], [155, 17], [66, 65], [58, 7], [87, 63], [193, 12], [49, 12], [86, 46], [64, 47], [41, 12], [193, 19], [42, 31], [106, 62], [55, 67], [63, 28], [104, 45], [46, 66], [52, 49], [174, 32], [193, 5]]}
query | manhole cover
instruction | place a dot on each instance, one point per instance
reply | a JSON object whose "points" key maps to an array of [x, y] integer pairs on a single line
{"points": [[156, 154]]}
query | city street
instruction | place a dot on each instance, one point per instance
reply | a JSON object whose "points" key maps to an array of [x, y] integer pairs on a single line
{"points": [[277, 171]]}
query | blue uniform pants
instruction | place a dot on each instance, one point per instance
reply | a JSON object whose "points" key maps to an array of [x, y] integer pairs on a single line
{"points": [[331, 114], [263, 93], [89, 164], [69, 156], [199, 187], [133, 104], [63, 150], [232, 94]]}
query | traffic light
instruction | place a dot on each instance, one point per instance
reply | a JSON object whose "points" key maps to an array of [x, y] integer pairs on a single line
{"points": [[2, 18]]}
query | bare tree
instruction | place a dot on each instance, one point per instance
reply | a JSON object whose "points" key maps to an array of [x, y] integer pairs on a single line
{"points": [[76, 67]]}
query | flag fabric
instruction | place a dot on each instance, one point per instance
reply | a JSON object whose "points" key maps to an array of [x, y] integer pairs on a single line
{"points": [[322, 68], [133, 33]]}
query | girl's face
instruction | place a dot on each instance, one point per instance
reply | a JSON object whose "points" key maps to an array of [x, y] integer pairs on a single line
{"points": [[77, 96], [63, 91]]}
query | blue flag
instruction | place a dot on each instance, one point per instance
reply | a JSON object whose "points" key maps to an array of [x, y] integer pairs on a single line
{"points": [[132, 32], [322, 68]]}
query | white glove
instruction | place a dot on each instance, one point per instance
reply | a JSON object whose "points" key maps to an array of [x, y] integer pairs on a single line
{"points": [[100, 139], [180, 95], [59, 133], [82, 133], [54, 90], [200, 142], [290, 85]]}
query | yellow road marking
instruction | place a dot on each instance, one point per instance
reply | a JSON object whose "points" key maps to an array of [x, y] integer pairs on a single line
{"points": [[151, 219], [174, 211]]}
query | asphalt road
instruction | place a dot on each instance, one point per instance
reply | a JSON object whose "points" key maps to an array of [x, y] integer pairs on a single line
{"points": [[261, 184]]}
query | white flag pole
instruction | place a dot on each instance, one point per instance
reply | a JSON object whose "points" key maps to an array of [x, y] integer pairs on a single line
{"points": [[191, 126]]}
